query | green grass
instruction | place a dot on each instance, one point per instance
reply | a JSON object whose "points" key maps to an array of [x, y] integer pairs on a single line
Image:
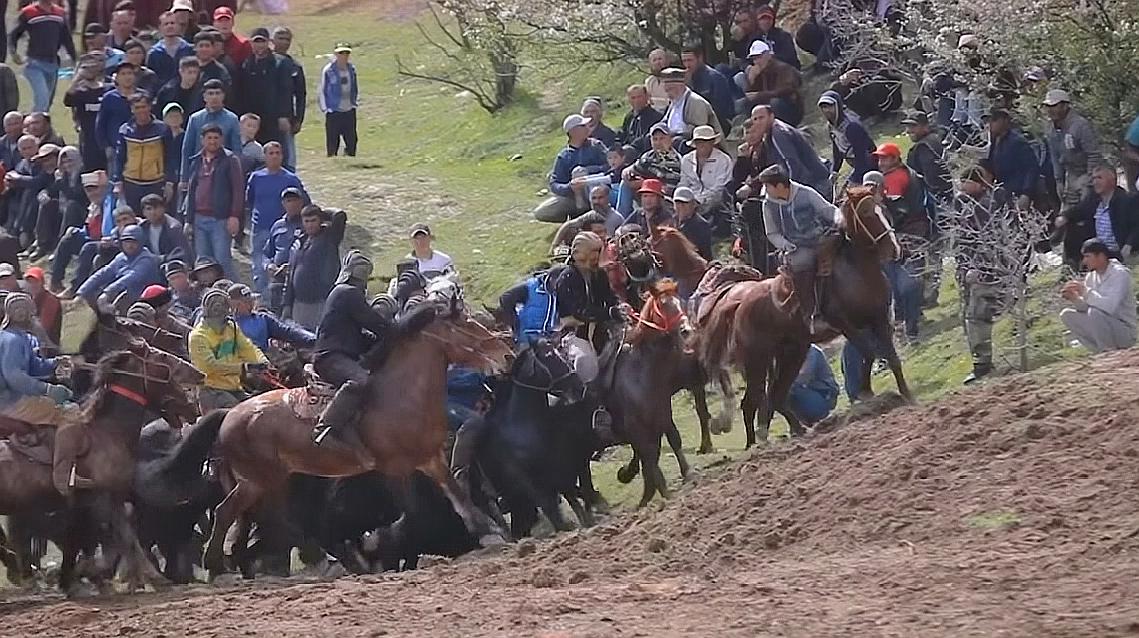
{"points": [[993, 520]]}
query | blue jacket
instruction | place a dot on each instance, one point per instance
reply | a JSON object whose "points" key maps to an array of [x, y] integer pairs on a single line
{"points": [[260, 327], [21, 367], [465, 386], [192, 144], [263, 196], [164, 62], [531, 306], [851, 142], [1014, 163], [591, 155], [714, 87], [281, 239], [132, 274], [328, 90], [114, 111]]}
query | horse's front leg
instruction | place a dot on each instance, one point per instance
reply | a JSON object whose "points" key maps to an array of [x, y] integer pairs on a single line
{"points": [[476, 522]]}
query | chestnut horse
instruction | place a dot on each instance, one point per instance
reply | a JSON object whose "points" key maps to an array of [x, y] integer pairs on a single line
{"points": [[679, 258], [402, 428]]}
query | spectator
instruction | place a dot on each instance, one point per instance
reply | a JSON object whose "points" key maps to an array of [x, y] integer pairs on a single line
{"points": [[905, 199], [661, 162], [38, 125], [145, 156], [264, 206], [46, 26], [1108, 214], [185, 89], [850, 141], [1073, 146], [48, 308], [580, 151], [429, 262], [590, 221], [767, 80], [1102, 316], [145, 79], [814, 392], [166, 56], [215, 198], [233, 90], [314, 266], [9, 89], [206, 273], [173, 117], [710, 84], [773, 141], [267, 88], [121, 29], [237, 47], [30, 178], [686, 108], [9, 278], [131, 271], [208, 65], [55, 211], [95, 42], [639, 120], [159, 302], [652, 212], [184, 299], [83, 97], [339, 94], [216, 114], [927, 157], [115, 110], [298, 97], [1011, 158], [185, 17], [9, 142], [751, 25], [163, 235], [221, 350], [282, 236], [870, 94], [594, 110], [654, 84], [100, 203], [252, 153], [695, 227], [260, 326], [707, 171]]}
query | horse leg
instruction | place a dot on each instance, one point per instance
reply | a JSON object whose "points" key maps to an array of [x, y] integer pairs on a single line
{"points": [[756, 400], [238, 501], [10, 559], [882, 333], [650, 470], [476, 522], [700, 401], [674, 442], [593, 499], [139, 568], [722, 423], [629, 471], [580, 507]]}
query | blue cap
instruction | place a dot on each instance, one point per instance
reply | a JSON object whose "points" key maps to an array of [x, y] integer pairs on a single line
{"points": [[133, 231]]}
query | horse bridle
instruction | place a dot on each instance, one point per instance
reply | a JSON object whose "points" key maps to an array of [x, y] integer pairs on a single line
{"points": [[465, 348], [669, 325], [861, 225], [554, 381]]}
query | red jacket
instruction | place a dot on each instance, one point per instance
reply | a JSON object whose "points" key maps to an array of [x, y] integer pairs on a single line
{"points": [[50, 312], [237, 48]]}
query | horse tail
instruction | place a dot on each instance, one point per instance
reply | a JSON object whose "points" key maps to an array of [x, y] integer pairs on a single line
{"points": [[197, 441]]}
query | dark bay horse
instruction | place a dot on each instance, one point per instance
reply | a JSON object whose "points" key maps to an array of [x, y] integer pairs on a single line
{"points": [[402, 428], [128, 387]]}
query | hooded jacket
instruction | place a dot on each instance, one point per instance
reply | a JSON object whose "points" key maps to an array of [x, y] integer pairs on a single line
{"points": [[347, 314], [800, 220], [789, 148], [850, 141]]}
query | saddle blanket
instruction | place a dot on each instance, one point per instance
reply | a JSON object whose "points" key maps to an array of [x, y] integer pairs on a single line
{"points": [[35, 446], [307, 405]]}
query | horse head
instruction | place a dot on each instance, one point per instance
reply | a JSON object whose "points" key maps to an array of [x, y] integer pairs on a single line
{"points": [[636, 256], [468, 343], [542, 366], [865, 223], [149, 377], [663, 313]]}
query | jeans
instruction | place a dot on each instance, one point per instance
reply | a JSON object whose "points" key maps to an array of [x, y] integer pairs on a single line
{"points": [[89, 254], [212, 239], [810, 405], [68, 248], [626, 197], [42, 76], [906, 290], [257, 257], [289, 143], [851, 371]]}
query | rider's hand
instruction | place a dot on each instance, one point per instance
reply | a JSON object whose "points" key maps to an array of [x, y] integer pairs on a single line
{"points": [[58, 393], [256, 367]]}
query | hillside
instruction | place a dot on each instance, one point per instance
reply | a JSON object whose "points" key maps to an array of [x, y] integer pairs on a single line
{"points": [[1004, 510]]}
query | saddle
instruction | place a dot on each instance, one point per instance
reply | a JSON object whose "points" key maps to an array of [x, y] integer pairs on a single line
{"points": [[309, 402], [29, 412], [37, 446], [716, 283]]}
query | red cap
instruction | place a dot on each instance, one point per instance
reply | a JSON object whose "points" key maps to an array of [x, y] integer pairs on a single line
{"points": [[765, 10], [35, 272], [888, 149], [223, 12], [652, 186], [150, 293]]}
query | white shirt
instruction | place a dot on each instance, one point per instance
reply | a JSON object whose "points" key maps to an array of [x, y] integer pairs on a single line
{"points": [[709, 182], [675, 115], [439, 263], [1110, 293]]}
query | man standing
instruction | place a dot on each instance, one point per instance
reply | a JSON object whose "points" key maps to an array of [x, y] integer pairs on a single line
{"points": [[237, 48], [707, 171], [167, 53], [131, 271], [46, 25], [145, 79], [905, 199], [145, 157], [266, 88], [1073, 147], [1011, 158], [658, 62], [1102, 316], [121, 29], [709, 83], [265, 207], [282, 236], [639, 120], [750, 25], [339, 95], [770, 140], [215, 198], [211, 69], [580, 151], [84, 97], [214, 114], [927, 156], [1108, 213], [163, 234], [185, 89], [688, 221], [115, 110], [313, 266], [298, 97], [850, 141]]}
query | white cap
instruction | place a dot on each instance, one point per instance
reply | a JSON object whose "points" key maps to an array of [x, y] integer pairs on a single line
{"points": [[683, 194], [182, 5], [873, 178], [7, 270], [968, 41], [573, 121], [1056, 96], [759, 47]]}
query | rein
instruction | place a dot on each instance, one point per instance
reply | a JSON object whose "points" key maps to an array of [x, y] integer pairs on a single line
{"points": [[860, 226], [127, 393], [468, 349], [653, 308]]}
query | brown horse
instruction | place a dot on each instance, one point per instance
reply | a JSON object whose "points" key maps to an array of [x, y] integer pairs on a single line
{"points": [[679, 258], [129, 388], [402, 428]]}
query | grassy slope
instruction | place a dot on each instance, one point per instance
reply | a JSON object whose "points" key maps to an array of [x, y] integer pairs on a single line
{"points": [[426, 154]]}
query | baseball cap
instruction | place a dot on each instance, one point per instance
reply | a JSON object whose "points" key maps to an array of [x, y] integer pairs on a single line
{"points": [[575, 120], [182, 5], [830, 97], [652, 186], [173, 267], [292, 191], [94, 178], [173, 106], [1056, 96], [123, 65], [673, 75], [660, 127], [47, 150], [765, 10], [35, 272], [916, 117], [156, 295], [133, 232], [683, 194], [873, 178], [759, 47], [1035, 74], [240, 291], [260, 33], [7, 270], [223, 13], [342, 47], [888, 149], [94, 29], [419, 229]]}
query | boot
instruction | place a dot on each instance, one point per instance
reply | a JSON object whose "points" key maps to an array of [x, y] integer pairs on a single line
{"points": [[980, 370], [805, 289], [463, 452], [65, 474], [340, 415], [818, 323]]}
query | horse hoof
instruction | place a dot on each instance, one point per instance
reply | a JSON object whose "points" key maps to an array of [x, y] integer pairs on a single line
{"points": [[705, 448], [626, 476], [491, 540]]}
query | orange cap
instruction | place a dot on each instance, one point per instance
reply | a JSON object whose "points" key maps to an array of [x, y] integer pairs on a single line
{"points": [[888, 149]]}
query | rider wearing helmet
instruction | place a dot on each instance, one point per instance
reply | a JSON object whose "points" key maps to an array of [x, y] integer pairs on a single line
{"points": [[221, 350]]}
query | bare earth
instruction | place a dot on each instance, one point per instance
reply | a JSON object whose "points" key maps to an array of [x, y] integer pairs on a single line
{"points": [[1008, 510]]}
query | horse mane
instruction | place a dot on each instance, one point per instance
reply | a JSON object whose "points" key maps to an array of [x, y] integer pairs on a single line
{"points": [[681, 247], [103, 370], [413, 321]]}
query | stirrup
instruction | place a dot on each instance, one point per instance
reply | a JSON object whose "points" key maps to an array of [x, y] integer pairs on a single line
{"points": [[74, 481], [320, 433]]}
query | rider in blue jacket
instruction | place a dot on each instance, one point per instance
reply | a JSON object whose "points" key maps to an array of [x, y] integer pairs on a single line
{"points": [[260, 327], [530, 306]]}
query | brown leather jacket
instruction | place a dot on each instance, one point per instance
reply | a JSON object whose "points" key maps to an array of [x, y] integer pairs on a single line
{"points": [[779, 79]]}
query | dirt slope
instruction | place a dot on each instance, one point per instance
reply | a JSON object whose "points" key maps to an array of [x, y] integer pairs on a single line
{"points": [[1005, 510]]}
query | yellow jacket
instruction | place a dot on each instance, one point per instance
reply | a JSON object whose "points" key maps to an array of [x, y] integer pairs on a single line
{"points": [[220, 355]]}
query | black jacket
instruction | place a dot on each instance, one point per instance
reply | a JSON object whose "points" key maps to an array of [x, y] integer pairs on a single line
{"points": [[315, 263], [593, 304], [172, 242], [635, 129], [347, 315], [172, 92], [927, 157], [299, 94], [266, 89], [698, 231], [1123, 209]]}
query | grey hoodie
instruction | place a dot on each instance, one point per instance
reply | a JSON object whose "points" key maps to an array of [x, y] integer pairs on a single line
{"points": [[800, 221]]}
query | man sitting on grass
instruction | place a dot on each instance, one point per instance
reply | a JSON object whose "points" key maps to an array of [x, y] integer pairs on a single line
{"points": [[1102, 316]]}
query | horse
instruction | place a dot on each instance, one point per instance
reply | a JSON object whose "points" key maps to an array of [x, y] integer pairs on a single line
{"points": [[637, 382], [402, 427], [128, 384], [679, 258]]}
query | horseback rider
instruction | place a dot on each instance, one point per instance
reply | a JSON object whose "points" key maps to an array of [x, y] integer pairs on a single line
{"points": [[261, 326], [585, 301], [340, 340], [22, 374], [797, 219], [530, 307], [222, 351]]}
